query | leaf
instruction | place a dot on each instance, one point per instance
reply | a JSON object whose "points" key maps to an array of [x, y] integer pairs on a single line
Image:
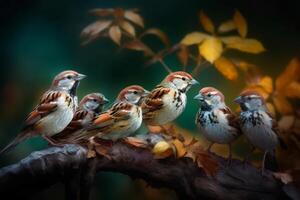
{"points": [[206, 22], [227, 68], [246, 45], [226, 26], [179, 147], [115, 34], [283, 177], [290, 74], [134, 17], [128, 28], [93, 30], [211, 49], [162, 150], [136, 142], [271, 109], [137, 45], [160, 34], [240, 23], [102, 12], [286, 122], [282, 105], [183, 55], [293, 90], [267, 83], [194, 38]]}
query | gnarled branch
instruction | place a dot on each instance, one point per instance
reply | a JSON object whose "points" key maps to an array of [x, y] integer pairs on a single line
{"points": [[69, 164]]}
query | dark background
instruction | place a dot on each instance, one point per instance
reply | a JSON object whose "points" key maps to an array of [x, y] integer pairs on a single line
{"points": [[41, 38]]}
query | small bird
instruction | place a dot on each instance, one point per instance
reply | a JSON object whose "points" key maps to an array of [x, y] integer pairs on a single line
{"points": [[216, 121], [168, 100], [90, 106], [257, 123], [121, 120], [54, 111]]}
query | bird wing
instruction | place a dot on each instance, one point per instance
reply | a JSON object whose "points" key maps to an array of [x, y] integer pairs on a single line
{"points": [[233, 120], [276, 130], [47, 105], [154, 101]]}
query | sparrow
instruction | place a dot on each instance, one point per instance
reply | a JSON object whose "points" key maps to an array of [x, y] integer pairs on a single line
{"points": [[55, 110], [168, 100], [90, 106], [258, 125], [215, 120], [121, 120]]}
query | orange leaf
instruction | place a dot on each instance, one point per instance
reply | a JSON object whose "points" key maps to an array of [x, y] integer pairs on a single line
{"points": [[282, 105], [227, 68], [134, 17], [194, 38], [206, 22], [271, 109], [93, 30], [183, 55], [128, 28], [226, 26], [137, 142], [179, 147], [267, 83], [290, 74], [211, 49], [160, 34], [137, 45], [240, 23], [115, 34], [293, 90]]}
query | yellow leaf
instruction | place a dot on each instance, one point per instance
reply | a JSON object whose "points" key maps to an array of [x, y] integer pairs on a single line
{"points": [[194, 38], [180, 149], [240, 23], [246, 45], [128, 28], [115, 34], [206, 22], [161, 147], [267, 83], [293, 90], [134, 17], [226, 26], [227, 68], [211, 49], [283, 106], [290, 74]]}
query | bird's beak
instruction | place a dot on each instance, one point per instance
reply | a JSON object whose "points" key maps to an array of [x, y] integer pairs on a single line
{"points": [[80, 77], [238, 100], [194, 82], [146, 93], [105, 100], [199, 97]]}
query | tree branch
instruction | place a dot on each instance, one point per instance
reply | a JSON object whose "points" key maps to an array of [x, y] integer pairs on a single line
{"points": [[69, 164]]}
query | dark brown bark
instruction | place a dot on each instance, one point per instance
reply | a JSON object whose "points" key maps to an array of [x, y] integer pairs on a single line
{"points": [[70, 165]]}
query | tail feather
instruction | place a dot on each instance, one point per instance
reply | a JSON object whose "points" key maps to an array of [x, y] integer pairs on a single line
{"points": [[20, 138]]}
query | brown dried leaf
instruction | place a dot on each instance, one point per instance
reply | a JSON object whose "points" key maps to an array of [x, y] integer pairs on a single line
{"points": [[240, 23], [206, 22], [136, 142], [283, 106], [227, 68], [290, 74], [128, 28], [93, 30], [102, 12], [286, 122], [211, 49], [194, 38], [91, 153], [283, 177], [134, 17], [245, 45], [293, 90], [183, 55], [137, 45], [226, 26], [160, 34], [115, 34]]}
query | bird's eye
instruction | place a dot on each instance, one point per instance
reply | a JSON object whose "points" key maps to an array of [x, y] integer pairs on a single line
{"points": [[69, 77], [135, 92], [208, 95], [183, 78], [94, 100]]}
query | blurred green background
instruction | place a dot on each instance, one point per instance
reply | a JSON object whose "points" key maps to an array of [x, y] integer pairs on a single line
{"points": [[41, 38]]}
